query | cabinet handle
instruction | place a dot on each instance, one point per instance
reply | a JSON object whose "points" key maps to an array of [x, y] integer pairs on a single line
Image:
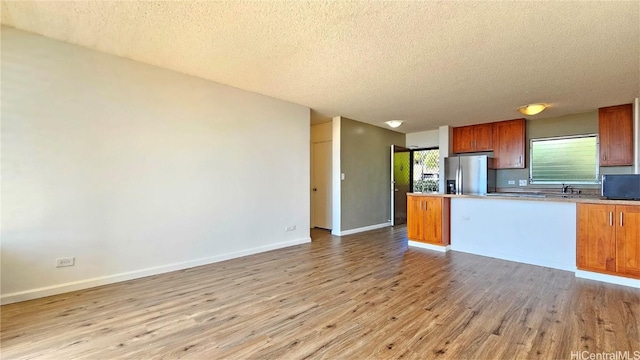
{"points": [[610, 218], [520, 160], [620, 218]]}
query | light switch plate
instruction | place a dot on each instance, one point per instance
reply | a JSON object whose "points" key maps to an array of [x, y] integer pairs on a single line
{"points": [[512, 182], [523, 182]]}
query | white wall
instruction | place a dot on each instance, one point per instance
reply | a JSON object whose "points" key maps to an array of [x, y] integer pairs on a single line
{"points": [[532, 232], [336, 173], [445, 135], [423, 139], [136, 170]]}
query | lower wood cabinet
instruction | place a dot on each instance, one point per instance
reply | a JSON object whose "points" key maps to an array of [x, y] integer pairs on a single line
{"points": [[428, 219], [608, 239]]}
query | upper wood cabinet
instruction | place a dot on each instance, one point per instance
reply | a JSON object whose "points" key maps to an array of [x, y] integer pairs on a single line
{"points": [[428, 219], [608, 239], [473, 138], [509, 144], [615, 127]]}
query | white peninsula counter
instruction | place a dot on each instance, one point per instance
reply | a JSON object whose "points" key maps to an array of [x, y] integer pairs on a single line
{"points": [[532, 230]]}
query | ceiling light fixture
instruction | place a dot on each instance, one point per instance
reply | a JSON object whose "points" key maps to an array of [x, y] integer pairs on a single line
{"points": [[394, 123], [532, 109]]}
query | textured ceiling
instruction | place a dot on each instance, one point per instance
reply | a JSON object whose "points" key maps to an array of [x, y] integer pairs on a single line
{"points": [[429, 63]]}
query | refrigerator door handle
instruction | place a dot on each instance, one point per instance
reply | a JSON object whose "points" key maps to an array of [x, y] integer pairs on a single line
{"points": [[457, 179], [459, 176]]}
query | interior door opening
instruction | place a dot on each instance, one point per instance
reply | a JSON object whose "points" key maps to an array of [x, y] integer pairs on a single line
{"points": [[412, 170], [321, 204], [400, 183]]}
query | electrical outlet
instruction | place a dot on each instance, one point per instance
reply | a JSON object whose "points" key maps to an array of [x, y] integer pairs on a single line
{"points": [[290, 228], [512, 182], [523, 182], [64, 262]]}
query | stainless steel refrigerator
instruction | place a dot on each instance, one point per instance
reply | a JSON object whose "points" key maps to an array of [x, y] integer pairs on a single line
{"points": [[471, 174]]}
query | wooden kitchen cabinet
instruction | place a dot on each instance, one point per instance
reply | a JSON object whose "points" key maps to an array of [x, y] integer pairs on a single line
{"points": [[473, 138], [596, 243], [463, 139], [608, 239], [615, 129], [428, 219], [509, 144], [414, 217], [628, 240]]}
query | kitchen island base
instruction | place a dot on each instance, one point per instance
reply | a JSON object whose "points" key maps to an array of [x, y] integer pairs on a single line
{"points": [[433, 247], [619, 280]]}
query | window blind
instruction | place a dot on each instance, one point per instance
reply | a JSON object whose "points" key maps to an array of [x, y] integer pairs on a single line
{"points": [[571, 159]]}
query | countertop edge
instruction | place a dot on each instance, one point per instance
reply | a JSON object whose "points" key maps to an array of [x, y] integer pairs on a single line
{"points": [[526, 198]]}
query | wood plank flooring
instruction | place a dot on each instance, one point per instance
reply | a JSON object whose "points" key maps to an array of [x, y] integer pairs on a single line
{"points": [[360, 296]]}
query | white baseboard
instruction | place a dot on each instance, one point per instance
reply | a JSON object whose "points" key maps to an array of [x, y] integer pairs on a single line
{"points": [[619, 280], [422, 245], [130, 275], [496, 254], [361, 229]]}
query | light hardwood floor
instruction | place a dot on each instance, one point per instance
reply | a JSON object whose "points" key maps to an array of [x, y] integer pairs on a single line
{"points": [[355, 297]]}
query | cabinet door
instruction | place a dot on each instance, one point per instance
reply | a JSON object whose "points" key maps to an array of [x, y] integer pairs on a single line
{"points": [[628, 240], [415, 217], [596, 238], [432, 224], [508, 144], [463, 139], [483, 137], [615, 127]]}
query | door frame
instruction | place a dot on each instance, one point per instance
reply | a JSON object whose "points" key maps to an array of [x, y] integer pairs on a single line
{"points": [[313, 174], [395, 149]]}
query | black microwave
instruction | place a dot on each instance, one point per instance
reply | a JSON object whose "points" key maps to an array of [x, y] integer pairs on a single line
{"points": [[621, 187]]}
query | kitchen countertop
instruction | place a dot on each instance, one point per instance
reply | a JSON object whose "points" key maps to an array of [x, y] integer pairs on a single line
{"points": [[534, 197]]}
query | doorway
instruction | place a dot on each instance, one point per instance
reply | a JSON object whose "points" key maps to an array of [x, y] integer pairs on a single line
{"points": [[400, 183], [321, 185], [412, 170]]}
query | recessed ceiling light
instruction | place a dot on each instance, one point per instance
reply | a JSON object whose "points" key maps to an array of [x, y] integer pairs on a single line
{"points": [[394, 123], [532, 109]]}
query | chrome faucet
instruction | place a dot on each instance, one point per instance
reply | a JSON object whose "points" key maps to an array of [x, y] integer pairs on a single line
{"points": [[566, 188]]}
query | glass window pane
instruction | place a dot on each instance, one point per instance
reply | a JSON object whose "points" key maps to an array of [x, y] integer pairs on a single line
{"points": [[565, 160]]}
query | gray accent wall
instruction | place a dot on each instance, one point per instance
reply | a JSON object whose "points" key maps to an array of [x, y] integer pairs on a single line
{"points": [[574, 124], [365, 161]]}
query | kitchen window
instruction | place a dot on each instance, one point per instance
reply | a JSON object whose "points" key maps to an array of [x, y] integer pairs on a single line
{"points": [[565, 160]]}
